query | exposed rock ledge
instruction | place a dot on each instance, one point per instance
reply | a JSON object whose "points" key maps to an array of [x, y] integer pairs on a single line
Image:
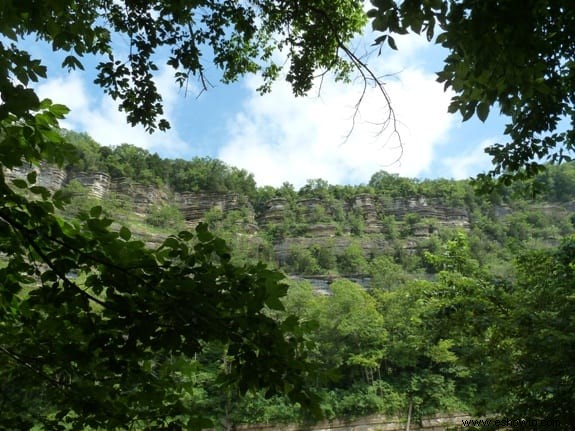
{"points": [[194, 205]]}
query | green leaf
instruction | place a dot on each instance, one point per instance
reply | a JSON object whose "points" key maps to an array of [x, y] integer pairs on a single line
{"points": [[380, 23], [20, 183], [60, 199], [204, 235], [274, 303], [453, 107], [171, 242], [96, 211], [60, 111], [42, 191], [22, 100], [381, 39], [98, 226], [483, 111], [430, 30], [72, 63], [186, 235], [391, 43], [125, 233], [469, 111], [31, 177], [372, 13]]}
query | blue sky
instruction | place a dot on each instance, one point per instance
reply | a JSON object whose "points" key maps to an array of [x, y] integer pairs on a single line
{"points": [[281, 138]]}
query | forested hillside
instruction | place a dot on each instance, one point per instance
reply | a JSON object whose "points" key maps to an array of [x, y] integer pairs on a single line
{"points": [[323, 229], [120, 310], [418, 296]]}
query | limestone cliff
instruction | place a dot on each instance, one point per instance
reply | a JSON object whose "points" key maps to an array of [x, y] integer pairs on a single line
{"points": [[48, 176], [372, 211], [194, 205], [325, 222], [318, 215], [143, 197]]}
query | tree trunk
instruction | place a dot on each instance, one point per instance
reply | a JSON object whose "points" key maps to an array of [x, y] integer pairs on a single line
{"points": [[409, 415]]}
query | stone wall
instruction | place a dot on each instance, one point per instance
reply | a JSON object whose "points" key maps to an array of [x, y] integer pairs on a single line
{"points": [[370, 423]]}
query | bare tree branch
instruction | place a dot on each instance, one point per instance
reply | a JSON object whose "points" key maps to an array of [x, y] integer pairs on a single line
{"points": [[368, 77], [17, 358]]}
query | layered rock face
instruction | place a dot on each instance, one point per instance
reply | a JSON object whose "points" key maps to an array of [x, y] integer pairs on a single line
{"points": [[428, 208], [419, 218], [144, 197], [372, 211], [319, 216], [54, 178], [194, 205], [274, 212], [98, 183], [47, 176]]}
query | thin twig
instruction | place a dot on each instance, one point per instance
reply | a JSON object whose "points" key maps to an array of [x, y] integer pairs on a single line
{"points": [[367, 75], [26, 364], [30, 238]]}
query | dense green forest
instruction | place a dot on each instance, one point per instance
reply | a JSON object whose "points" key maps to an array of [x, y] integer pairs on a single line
{"points": [[115, 316], [475, 319], [528, 215]]}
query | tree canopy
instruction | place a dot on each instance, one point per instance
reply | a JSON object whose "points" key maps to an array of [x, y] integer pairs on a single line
{"points": [[92, 318], [513, 56], [94, 322], [237, 37], [516, 56]]}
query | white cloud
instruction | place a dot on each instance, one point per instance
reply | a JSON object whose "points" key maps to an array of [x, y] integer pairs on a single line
{"points": [[469, 164], [280, 138], [97, 114]]}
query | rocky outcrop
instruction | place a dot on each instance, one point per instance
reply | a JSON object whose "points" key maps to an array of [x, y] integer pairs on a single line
{"points": [[377, 224], [317, 230], [144, 197], [274, 212], [98, 183], [439, 422], [370, 209], [314, 212], [194, 205], [318, 216], [54, 178], [49, 176], [429, 208], [321, 283]]}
